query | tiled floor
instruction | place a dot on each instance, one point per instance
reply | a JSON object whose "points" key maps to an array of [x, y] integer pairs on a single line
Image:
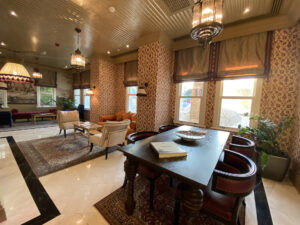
{"points": [[76, 189]]}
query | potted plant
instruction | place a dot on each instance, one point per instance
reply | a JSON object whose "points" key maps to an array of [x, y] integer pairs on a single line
{"points": [[268, 137], [64, 104]]}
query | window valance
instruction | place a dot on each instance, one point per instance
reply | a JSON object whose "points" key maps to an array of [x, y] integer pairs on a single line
{"points": [[247, 56], [131, 74], [192, 64], [49, 79], [81, 80]]}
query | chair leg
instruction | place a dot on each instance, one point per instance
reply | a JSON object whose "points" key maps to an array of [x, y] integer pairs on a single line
{"points": [[106, 153], [60, 131], [92, 145], [151, 192], [125, 183], [65, 133]]}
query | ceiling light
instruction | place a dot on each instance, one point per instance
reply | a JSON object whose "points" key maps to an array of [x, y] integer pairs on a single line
{"points": [[112, 9], [2, 43], [77, 60], [36, 73], [14, 72], [43, 53], [0, 53], [108, 52], [13, 13], [207, 20], [246, 10], [127, 46]]}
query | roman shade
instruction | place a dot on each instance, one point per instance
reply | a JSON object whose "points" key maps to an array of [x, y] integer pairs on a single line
{"points": [[130, 74], [192, 64], [247, 56], [49, 79], [81, 80]]}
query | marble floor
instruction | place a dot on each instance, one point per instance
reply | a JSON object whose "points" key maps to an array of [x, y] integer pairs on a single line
{"points": [[75, 190]]}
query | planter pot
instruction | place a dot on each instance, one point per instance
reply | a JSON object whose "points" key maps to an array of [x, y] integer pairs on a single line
{"points": [[276, 167]]}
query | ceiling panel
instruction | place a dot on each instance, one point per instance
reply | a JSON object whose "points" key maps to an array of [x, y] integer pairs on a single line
{"points": [[42, 23]]}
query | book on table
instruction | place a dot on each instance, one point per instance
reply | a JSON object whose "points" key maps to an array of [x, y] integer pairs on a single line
{"points": [[168, 149]]}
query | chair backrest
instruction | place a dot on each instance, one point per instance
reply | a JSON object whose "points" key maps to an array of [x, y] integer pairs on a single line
{"points": [[244, 146], [166, 127], [114, 132], [67, 116], [136, 136], [236, 175]]}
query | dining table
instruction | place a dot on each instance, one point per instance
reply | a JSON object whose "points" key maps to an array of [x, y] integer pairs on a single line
{"points": [[194, 170]]}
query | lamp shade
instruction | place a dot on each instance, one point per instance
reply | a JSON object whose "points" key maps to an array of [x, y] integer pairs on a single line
{"points": [[37, 75], [14, 72], [141, 91], [89, 93]]}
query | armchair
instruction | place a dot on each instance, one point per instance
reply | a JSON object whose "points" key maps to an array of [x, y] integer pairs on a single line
{"points": [[112, 133], [67, 119]]}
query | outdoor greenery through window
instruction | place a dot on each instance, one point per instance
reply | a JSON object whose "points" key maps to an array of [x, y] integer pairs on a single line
{"points": [[46, 96], [76, 97], [132, 99], [190, 102], [87, 99]]}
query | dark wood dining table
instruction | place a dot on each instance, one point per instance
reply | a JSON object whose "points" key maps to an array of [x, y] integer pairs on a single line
{"points": [[194, 170]]}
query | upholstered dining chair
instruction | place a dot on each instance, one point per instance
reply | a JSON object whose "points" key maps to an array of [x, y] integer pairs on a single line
{"points": [[143, 170], [243, 146], [232, 180], [112, 133], [167, 127], [67, 119]]}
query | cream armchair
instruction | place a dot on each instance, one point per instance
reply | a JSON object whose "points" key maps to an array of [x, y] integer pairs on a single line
{"points": [[112, 133], [67, 119]]}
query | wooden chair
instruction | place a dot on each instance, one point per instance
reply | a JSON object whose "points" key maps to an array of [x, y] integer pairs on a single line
{"points": [[143, 170], [243, 146], [112, 133], [166, 127], [232, 180], [66, 120]]}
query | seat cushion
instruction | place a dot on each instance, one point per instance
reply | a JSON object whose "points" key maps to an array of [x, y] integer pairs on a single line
{"points": [[148, 172], [68, 125], [218, 204]]}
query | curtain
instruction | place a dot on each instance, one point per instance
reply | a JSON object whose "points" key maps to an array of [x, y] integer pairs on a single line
{"points": [[130, 75], [247, 56], [81, 80], [192, 64], [49, 79]]}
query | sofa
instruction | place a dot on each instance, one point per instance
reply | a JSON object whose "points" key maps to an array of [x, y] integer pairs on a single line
{"points": [[27, 115], [6, 118], [119, 116]]}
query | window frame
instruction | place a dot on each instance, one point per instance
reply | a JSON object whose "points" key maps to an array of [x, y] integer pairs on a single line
{"points": [[77, 95], [202, 105], [127, 98], [4, 98], [38, 94], [255, 106]]}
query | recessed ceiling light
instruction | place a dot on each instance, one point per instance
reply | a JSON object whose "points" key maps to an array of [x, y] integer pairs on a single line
{"points": [[66, 66], [127, 46], [112, 9], [2, 43], [246, 10], [43, 53], [0, 53], [13, 13], [108, 52]]}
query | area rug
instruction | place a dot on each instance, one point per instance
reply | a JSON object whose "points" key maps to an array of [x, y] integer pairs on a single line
{"points": [[28, 125], [48, 155], [113, 210]]}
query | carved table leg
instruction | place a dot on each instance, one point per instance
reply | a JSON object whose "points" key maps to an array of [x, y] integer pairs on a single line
{"points": [[192, 203], [130, 167]]}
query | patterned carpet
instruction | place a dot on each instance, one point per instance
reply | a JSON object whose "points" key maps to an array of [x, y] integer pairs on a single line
{"points": [[49, 155], [112, 206]]}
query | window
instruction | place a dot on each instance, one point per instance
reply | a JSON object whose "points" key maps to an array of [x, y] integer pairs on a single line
{"points": [[3, 98], [45, 96], [235, 98], [131, 99], [86, 99], [76, 97], [190, 103]]}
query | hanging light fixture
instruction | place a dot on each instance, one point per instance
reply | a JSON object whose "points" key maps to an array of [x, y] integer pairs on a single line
{"points": [[207, 20], [77, 60], [36, 73], [14, 72]]}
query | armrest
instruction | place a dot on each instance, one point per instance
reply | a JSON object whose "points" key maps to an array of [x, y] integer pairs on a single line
{"points": [[107, 117]]}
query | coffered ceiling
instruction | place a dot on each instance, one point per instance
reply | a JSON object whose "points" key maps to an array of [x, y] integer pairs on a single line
{"points": [[47, 26]]}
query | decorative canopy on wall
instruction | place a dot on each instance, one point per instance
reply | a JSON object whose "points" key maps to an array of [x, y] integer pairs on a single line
{"points": [[131, 74]]}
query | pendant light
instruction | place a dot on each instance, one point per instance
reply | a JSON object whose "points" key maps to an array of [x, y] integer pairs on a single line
{"points": [[14, 72], [78, 60], [36, 73]]}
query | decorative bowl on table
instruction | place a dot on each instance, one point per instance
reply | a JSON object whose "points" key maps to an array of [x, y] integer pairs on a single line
{"points": [[189, 135]]}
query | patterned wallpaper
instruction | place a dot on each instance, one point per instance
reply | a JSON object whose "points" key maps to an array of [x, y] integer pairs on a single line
{"points": [[210, 103], [120, 89]]}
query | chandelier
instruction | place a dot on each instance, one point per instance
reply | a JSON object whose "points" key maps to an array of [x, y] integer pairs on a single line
{"points": [[207, 20], [36, 73], [77, 60], [14, 72]]}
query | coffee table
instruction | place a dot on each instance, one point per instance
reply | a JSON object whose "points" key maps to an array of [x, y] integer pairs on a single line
{"points": [[42, 115], [86, 129]]}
